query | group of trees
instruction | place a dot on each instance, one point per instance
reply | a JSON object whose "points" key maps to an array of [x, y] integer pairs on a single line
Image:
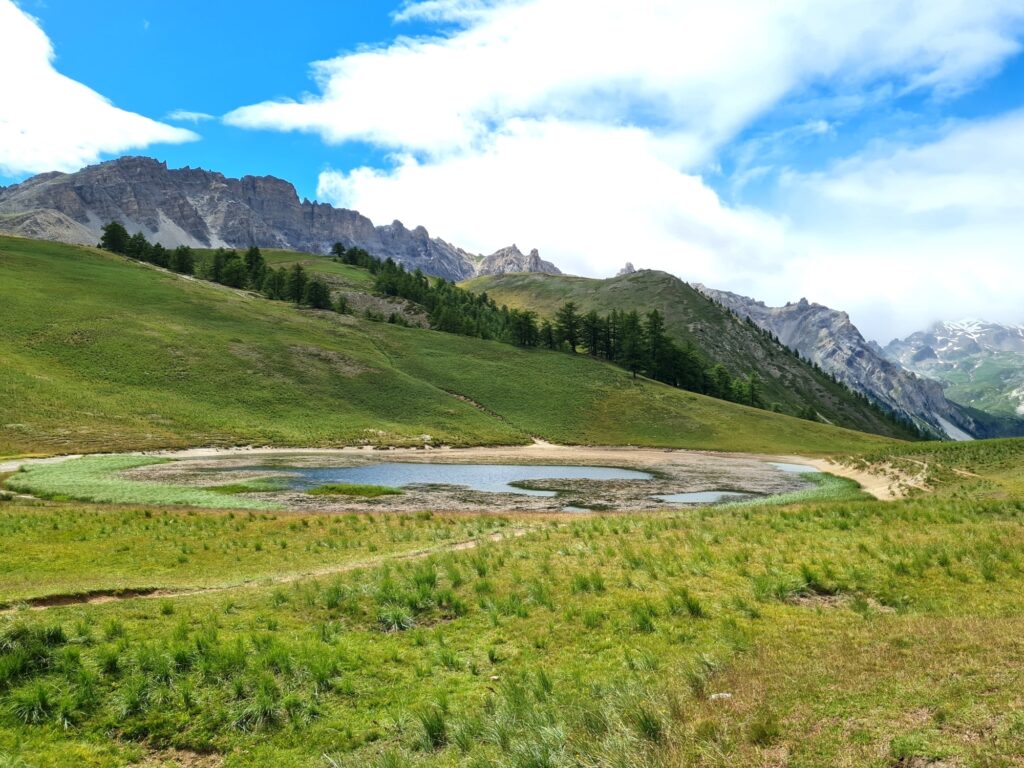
{"points": [[640, 344], [227, 267], [116, 238], [637, 343]]}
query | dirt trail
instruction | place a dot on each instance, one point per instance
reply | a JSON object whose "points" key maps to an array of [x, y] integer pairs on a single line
{"points": [[100, 597]]}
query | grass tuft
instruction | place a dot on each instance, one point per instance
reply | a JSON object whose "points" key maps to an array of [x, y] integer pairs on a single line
{"points": [[350, 489]]}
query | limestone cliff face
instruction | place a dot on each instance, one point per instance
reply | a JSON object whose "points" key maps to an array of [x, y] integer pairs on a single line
{"points": [[827, 337], [205, 209], [511, 259]]}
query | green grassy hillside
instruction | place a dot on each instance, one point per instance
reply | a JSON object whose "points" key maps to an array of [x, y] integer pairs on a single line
{"points": [[101, 353], [692, 318]]}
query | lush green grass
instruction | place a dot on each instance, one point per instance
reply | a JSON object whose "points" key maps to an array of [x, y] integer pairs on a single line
{"points": [[259, 485], [353, 489], [342, 275], [825, 487], [575, 400], [66, 548], [690, 318], [97, 478], [846, 633], [131, 357]]}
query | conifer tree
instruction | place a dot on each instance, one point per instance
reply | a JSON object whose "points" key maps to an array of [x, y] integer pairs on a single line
{"points": [[567, 325], [115, 238]]}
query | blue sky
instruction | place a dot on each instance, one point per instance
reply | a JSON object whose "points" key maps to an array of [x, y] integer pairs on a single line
{"points": [[154, 57], [861, 153]]}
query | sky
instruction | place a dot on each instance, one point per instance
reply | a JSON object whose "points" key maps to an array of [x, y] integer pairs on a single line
{"points": [[864, 154]]}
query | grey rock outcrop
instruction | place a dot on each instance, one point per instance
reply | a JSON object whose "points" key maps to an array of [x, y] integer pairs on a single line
{"points": [[827, 337], [205, 209], [511, 259], [627, 269]]}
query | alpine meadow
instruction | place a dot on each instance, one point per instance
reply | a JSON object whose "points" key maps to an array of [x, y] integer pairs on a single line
{"points": [[728, 470]]}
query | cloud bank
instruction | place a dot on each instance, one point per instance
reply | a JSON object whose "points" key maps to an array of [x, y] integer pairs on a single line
{"points": [[50, 122], [592, 134]]}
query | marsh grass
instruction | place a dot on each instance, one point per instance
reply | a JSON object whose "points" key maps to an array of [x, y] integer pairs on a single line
{"points": [[257, 485], [352, 489], [98, 479]]}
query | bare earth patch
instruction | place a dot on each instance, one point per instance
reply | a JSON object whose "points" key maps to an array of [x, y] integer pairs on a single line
{"points": [[181, 758]]}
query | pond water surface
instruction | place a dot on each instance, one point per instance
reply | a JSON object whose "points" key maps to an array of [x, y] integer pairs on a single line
{"points": [[489, 478], [700, 497], [798, 468]]}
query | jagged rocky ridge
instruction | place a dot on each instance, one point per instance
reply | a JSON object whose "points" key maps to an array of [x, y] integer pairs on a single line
{"points": [[981, 362], [511, 259], [827, 337], [205, 209]]}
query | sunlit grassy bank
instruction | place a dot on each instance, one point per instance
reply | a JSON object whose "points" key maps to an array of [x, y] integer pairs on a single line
{"points": [[131, 357], [827, 633]]}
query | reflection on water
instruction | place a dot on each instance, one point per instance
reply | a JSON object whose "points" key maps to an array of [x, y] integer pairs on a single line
{"points": [[700, 497], [800, 468], [489, 478]]}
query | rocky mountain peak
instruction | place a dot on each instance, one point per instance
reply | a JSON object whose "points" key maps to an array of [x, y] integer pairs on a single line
{"points": [[981, 362], [828, 338], [511, 259], [205, 209], [627, 269]]}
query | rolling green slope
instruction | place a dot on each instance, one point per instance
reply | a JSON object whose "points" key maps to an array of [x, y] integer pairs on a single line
{"points": [[100, 353], [690, 317]]}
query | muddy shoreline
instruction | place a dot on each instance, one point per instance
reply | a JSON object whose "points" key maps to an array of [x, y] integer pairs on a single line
{"points": [[673, 471]]}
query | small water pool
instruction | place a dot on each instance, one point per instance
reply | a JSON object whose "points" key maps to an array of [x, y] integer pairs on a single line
{"points": [[488, 478], [700, 497], [798, 468]]}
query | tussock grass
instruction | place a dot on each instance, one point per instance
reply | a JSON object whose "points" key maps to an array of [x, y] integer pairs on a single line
{"points": [[602, 640]]}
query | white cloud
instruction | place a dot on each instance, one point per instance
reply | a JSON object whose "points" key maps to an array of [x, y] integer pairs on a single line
{"points": [[185, 116], [704, 68], [50, 122], [592, 195], [917, 233], [583, 131]]}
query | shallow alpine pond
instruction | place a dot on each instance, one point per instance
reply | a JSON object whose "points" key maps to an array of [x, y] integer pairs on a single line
{"points": [[486, 478], [566, 479]]}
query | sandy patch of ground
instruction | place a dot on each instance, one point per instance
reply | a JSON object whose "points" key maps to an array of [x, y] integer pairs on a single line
{"points": [[880, 486], [883, 481]]}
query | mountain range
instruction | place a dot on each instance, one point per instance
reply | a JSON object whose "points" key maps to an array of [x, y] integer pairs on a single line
{"points": [[980, 363], [200, 208], [828, 339], [943, 380]]}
